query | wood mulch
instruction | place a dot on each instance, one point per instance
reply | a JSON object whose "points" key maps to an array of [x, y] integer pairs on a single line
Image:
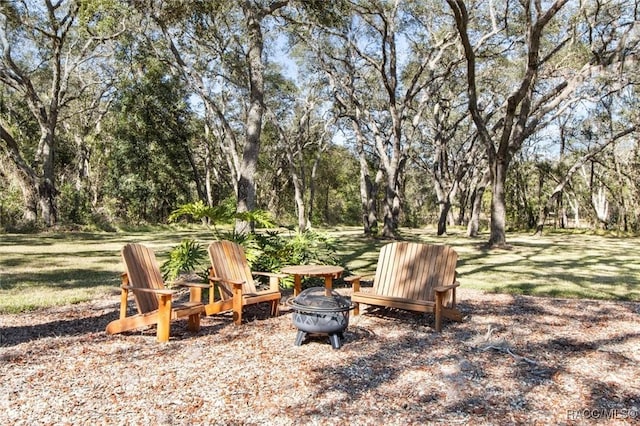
{"points": [[514, 360]]}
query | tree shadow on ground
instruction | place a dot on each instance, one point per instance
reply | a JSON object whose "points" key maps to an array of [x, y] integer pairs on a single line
{"points": [[61, 279], [468, 364], [12, 336], [82, 322]]}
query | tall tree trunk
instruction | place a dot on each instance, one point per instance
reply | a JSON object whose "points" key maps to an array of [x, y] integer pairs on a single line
{"points": [[208, 165], [624, 209], [445, 208], [497, 228], [46, 185], [197, 179], [370, 206], [473, 228], [445, 195], [391, 204], [23, 174], [312, 186], [368, 187], [248, 166], [518, 121], [298, 187]]}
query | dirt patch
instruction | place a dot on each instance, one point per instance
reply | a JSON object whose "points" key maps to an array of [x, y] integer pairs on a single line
{"points": [[514, 360]]}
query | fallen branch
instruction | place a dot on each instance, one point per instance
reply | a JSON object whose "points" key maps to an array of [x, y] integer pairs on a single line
{"points": [[500, 345], [508, 351]]}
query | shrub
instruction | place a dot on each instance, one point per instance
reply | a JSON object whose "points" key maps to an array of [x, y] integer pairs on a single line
{"points": [[303, 248], [267, 252], [186, 257]]}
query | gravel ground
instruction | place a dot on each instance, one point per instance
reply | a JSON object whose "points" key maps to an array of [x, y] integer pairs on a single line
{"points": [[513, 360]]}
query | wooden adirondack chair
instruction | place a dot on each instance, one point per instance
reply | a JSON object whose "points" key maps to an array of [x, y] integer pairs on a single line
{"points": [[413, 276], [231, 276], [153, 301]]}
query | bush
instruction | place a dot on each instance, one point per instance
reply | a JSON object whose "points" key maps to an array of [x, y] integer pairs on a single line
{"points": [[186, 257], [11, 209], [303, 248], [267, 252]]}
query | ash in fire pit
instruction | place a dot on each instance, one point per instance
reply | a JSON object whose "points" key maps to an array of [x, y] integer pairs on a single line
{"points": [[320, 311]]}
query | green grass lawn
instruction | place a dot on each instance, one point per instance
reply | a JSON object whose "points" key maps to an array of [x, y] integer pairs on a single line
{"points": [[60, 268]]}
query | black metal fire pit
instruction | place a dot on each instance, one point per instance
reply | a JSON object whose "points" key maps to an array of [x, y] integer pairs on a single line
{"points": [[320, 311]]}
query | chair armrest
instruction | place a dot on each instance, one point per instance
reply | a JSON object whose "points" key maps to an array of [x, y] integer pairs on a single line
{"points": [[270, 274], [229, 292], [226, 280], [443, 288], [354, 280], [274, 279], [162, 291], [196, 285], [195, 290], [358, 278]]}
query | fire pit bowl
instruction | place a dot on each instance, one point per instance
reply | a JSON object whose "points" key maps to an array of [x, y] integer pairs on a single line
{"points": [[321, 311]]}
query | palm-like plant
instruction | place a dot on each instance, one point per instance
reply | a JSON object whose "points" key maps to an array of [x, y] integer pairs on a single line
{"points": [[183, 258], [265, 252], [199, 211]]}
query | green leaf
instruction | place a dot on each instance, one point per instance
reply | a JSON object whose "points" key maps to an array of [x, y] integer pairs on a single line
{"points": [[185, 257]]}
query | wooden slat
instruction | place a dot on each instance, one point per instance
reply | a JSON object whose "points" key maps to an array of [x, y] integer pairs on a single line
{"points": [[229, 263], [406, 277], [242, 270], [385, 266], [432, 270], [394, 302], [266, 296], [142, 269], [402, 274], [412, 270], [423, 259], [450, 275], [418, 260], [216, 255], [154, 307]]}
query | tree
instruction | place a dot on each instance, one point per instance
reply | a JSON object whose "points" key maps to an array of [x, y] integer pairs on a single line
{"points": [[537, 40], [43, 53], [376, 89], [151, 164], [445, 144], [301, 135], [210, 43]]}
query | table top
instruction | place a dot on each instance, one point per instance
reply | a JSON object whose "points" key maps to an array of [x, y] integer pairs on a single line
{"points": [[313, 270]]}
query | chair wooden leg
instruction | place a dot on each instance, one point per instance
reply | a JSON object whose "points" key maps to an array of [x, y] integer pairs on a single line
{"points": [[355, 284], [124, 296], [195, 294], [439, 297], [194, 322], [164, 318], [237, 304]]}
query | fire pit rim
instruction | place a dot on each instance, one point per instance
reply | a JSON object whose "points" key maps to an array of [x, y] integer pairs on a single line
{"points": [[321, 309]]}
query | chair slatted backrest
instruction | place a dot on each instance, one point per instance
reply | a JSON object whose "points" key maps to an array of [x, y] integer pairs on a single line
{"points": [[412, 270], [229, 261], [142, 269]]}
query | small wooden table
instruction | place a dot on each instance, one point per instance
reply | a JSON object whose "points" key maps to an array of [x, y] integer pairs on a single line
{"points": [[326, 271]]}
